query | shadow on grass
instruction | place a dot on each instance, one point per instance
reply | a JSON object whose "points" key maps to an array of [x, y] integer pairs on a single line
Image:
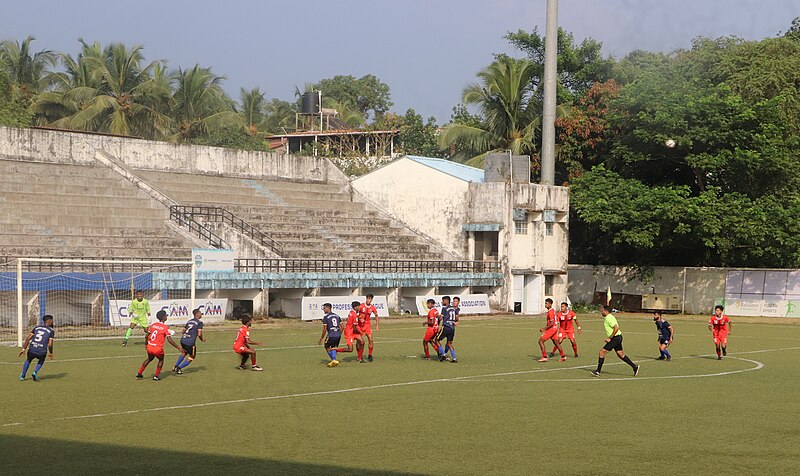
{"points": [[52, 376], [71, 457]]}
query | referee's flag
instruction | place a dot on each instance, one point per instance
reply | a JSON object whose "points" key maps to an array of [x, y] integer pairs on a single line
{"points": [[608, 296]]}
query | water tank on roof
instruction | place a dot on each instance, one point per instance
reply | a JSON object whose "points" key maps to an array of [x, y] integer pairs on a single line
{"points": [[311, 102]]}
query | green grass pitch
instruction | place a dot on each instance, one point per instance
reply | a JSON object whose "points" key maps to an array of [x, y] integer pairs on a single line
{"points": [[496, 411]]}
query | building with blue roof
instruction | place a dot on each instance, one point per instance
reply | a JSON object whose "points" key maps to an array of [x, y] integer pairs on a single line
{"points": [[480, 215]]}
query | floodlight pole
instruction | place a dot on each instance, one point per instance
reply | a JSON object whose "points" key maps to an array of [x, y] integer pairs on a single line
{"points": [[550, 85]]}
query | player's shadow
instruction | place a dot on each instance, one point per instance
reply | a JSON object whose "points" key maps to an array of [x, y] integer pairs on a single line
{"points": [[191, 370], [52, 376]]}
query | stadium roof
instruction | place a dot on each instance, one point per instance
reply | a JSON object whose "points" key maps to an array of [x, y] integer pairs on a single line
{"points": [[459, 171]]}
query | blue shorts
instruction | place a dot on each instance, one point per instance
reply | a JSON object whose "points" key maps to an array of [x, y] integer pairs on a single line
{"points": [[191, 350], [40, 357], [663, 341], [447, 333], [333, 341]]}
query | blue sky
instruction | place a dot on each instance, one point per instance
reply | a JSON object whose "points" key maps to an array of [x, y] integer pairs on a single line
{"points": [[426, 50]]}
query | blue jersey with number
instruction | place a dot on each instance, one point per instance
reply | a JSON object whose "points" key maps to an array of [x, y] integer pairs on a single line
{"points": [[333, 323], [190, 331], [41, 338], [449, 314]]}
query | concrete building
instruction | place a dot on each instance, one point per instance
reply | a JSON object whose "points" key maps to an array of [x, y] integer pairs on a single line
{"points": [[482, 215]]}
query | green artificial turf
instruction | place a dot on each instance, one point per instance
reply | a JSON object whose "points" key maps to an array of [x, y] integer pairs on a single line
{"points": [[496, 411]]}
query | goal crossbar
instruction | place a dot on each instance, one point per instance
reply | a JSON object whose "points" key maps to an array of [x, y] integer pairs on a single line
{"points": [[20, 261]]}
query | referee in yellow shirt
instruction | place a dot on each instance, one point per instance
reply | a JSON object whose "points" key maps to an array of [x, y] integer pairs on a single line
{"points": [[613, 342]]}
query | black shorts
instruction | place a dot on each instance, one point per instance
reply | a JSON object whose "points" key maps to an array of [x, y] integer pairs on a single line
{"points": [[191, 350], [663, 341], [614, 344], [446, 332], [32, 356], [333, 341]]}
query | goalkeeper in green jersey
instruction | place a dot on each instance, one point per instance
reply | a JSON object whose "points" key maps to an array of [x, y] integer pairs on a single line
{"points": [[139, 310]]}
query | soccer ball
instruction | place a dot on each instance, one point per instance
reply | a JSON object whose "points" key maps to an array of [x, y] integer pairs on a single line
{"points": [[670, 143]]}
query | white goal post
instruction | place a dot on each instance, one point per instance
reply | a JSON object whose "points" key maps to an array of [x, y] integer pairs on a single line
{"points": [[88, 296]]}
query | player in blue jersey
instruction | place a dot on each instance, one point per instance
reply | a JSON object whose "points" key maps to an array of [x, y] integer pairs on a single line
{"points": [[331, 325], [38, 344], [665, 335], [447, 330], [192, 330]]}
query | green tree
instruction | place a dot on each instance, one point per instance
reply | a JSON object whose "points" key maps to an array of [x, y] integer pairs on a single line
{"points": [[509, 116], [416, 136], [368, 95], [200, 104], [27, 72], [12, 111], [231, 138]]}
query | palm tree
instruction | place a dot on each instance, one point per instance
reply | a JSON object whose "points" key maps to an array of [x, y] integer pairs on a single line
{"points": [[505, 101], [253, 111], [110, 91], [201, 105], [28, 73]]}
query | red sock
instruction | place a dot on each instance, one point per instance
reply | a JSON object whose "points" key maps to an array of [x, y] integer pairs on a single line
{"points": [[158, 371], [253, 359], [360, 353], [554, 350], [370, 351], [141, 369], [575, 347], [427, 352], [561, 353], [544, 354], [718, 354]]}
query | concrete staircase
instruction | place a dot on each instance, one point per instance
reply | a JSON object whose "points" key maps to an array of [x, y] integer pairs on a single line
{"points": [[81, 211], [308, 220]]}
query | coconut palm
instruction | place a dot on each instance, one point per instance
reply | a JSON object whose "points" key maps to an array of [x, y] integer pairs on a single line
{"points": [[111, 92], [28, 72], [200, 104], [505, 101], [253, 111]]}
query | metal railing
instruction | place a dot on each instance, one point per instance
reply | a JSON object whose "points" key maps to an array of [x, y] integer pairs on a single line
{"points": [[178, 214], [221, 215], [285, 265]]}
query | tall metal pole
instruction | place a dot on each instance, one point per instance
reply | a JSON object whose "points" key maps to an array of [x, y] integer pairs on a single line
{"points": [[19, 302], [550, 85]]}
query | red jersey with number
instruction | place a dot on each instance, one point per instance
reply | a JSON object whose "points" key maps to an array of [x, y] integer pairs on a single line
{"points": [[242, 338], [351, 327], [364, 312], [719, 324], [565, 320], [433, 318], [552, 320], [157, 334]]}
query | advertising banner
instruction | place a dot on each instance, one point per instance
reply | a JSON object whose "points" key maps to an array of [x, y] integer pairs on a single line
{"points": [[178, 311], [312, 306], [470, 303], [213, 260], [760, 307]]}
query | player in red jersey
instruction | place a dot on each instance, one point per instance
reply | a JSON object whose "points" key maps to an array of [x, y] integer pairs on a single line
{"points": [[157, 333], [720, 326], [432, 323], [242, 345], [550, 332], [352, 333], [365, 311], [566, 330]]}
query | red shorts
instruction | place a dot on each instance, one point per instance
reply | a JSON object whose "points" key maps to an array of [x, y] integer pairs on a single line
{"points": [[721, 338], [549, 333], [430, 333], [241, 350], [566, 334], [366, 329], [349, 338], [157, 353]]}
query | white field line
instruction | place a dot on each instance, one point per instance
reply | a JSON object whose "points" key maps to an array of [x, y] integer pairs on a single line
{"points": [[359, 389]]}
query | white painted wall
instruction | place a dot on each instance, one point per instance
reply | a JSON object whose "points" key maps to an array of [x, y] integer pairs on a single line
{"points": [[76, 148], [427, 201]]}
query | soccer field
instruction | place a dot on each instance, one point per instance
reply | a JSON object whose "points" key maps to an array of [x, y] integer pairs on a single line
{"points": [[496, 411]]}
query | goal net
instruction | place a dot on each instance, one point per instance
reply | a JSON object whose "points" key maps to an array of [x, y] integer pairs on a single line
{"points": [[90, 298]]}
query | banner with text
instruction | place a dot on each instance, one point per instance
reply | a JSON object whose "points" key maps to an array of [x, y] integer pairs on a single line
{"points": [[760, 307], [470, 303], [178, 311], [213, 260], [312, 306]]}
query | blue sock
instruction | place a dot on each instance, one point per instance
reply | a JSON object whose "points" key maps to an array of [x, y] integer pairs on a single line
{"points": [[666, 352], [180, 360], [453, 353], [38, 368], [333, 354], [185, 364], [25, 367], [662, 352]]}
